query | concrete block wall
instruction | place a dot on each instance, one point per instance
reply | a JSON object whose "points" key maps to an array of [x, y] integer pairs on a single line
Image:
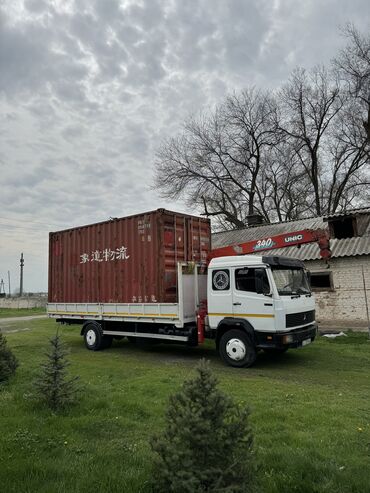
{"points": [[27, 302], [345, 304]]}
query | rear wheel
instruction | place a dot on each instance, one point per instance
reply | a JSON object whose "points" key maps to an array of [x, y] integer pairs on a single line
{"points": [[236, 349], [94, 338]]}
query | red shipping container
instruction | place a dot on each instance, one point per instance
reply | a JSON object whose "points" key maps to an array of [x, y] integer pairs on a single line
{"points": [[127, 260]]}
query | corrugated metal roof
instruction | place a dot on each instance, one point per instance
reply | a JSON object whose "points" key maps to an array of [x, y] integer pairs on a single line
{"points": [[225, 238], [346, 247], [352, 212], [310, 251]]}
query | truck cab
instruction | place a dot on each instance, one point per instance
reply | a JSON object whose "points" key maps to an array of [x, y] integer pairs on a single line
{"points": [[258, 303]]}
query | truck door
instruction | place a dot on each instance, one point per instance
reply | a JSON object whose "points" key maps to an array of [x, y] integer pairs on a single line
{"points": [[220, 303], [257, 308]]}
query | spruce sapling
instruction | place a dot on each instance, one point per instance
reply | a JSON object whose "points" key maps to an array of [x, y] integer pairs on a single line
{"points": [[8, 362], [207, 442], [53, 385]]}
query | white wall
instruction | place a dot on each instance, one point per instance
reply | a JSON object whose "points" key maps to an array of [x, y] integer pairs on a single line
{"points": [[345, 305]]}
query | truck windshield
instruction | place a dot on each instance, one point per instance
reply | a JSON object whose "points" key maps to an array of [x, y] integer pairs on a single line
{"points": [[291, 281]]}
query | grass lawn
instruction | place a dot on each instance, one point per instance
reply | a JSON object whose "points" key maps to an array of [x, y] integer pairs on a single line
{"points": [[21, 312], [310, 415]]}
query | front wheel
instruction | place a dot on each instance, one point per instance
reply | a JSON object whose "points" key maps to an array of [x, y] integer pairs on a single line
{"points": [[236, 349]]}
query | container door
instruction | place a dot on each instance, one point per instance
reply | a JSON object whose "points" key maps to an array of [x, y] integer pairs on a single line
{"points": [[257, 308]]}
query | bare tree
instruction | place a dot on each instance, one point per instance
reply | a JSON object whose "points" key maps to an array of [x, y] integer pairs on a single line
{"points": [[300, 151], [283, 187], [310, 102], [348, 159], [195, 165], [252, 129], [353, 66], [350, 144], [217, 160]]}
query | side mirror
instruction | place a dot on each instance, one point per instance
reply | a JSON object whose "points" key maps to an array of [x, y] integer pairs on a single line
{"points": [[262, 286]]}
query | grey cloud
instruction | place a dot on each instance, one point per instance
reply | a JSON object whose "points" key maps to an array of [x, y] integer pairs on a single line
{"points": [[29, 62], [10, 116], [72, 132], [108, 10], [148, 15], [41, 108], [37, 6], [67, 91], [18, 52]]}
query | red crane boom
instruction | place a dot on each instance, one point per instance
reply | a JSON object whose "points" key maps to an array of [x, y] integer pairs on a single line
{"points": [[321, 236]]}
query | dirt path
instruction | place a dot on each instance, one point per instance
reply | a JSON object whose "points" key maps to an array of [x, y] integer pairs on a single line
{"points": [[7, 324], [8, 320]]}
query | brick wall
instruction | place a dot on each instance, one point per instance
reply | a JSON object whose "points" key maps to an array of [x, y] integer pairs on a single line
{"points": [[345, 304]]}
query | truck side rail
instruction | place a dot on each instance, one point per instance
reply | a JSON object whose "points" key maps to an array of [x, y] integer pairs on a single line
{"points": [[121, 312]]}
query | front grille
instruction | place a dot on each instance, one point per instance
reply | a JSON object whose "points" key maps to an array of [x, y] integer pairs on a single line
{"points": [[301, 318]]}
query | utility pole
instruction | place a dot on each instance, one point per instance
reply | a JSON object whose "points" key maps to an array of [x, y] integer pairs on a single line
{"points": [[9, 283], [21, 279]]}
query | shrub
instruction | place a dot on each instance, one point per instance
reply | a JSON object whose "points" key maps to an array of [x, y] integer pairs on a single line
{"points": [[207, 442], [8, 362], [53, 386]]}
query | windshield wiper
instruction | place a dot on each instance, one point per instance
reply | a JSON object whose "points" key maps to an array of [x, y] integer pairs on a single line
{"points": [[303, 291], [293, 294]]}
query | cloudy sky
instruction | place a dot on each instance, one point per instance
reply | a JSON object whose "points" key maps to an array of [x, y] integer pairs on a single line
{"points": [[88, 88]]}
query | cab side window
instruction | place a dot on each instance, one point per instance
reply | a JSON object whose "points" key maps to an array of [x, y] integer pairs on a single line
{"points": [[245, 280]]}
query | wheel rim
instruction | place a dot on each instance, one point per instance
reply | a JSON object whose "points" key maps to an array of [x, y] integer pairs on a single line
{"points": [[235, 349], [90, 337]]}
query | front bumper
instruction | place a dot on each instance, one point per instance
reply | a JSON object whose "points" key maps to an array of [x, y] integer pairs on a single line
{"points": [[290, 339]]}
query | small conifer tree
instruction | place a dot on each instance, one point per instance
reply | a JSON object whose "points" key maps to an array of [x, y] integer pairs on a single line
{"points": [[207, 443], [53, 385], [8, 362]]}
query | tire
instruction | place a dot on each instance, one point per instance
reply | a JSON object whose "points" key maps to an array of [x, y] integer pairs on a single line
{"points": [[93, 337], [273, 351], [236, 349]]}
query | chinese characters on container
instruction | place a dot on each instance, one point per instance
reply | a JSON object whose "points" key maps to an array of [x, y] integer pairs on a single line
{"points": [[105, 255]]}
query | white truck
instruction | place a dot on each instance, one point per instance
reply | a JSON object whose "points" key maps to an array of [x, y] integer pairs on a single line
{"points": [[245, 303]]}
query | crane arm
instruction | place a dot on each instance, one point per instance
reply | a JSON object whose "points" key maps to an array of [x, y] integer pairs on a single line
{"points": [[321, 236]]}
